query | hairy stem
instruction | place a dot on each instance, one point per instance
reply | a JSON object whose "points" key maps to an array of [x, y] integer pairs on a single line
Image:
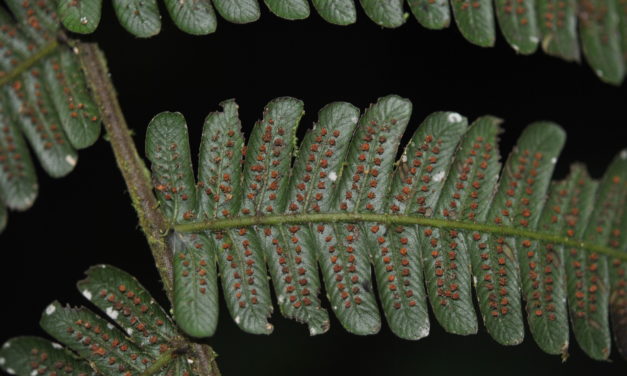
{"points": [[133, 169], [221, 224], [138, 182]]}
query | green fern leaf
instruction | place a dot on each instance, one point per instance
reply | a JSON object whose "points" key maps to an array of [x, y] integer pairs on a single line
{"points": [[77, 112], [80, 16], [195, 284], [445, 260], [25, 356], [238, 11], [475, 20], [558, 27], [325, 147], [44, 98], [431, 14], [440, 215], [621, 9], [167, 148], [524, 24], [339, 12], [289, 9], [591, 282], [130, 306], [41, 124], [600, 39], [18, 182], [399, 267], [517, 202], [386, 13], [517, 20], [3, 216], [144, 340], [90, 337], [195, 17], [140, 17]]}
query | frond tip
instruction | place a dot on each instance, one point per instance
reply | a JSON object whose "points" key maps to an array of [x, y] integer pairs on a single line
{"points": [[438, 217]]}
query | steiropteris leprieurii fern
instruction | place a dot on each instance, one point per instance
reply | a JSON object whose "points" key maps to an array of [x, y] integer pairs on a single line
{"points": [[432, 224], [44, 100], [561, 27]]}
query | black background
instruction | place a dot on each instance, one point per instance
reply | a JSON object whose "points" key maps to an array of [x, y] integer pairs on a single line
{"points": [[86, 218]]}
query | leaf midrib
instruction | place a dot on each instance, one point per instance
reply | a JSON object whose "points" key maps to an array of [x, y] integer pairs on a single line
{"points": [[33, 59], [279, 219]]}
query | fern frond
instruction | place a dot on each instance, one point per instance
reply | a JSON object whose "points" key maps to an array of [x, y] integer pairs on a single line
{"points": [[556, 26], [439, 215], [141, 339], [44, 98]]}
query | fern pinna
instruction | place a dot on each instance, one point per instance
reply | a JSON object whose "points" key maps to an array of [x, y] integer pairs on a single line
{"points": [[562, 28], [44, 100], [144, 340], [431, 224]]}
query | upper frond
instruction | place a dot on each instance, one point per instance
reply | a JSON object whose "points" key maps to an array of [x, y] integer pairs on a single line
{"points": [[598, 28], [444, 216], [44, 100]]}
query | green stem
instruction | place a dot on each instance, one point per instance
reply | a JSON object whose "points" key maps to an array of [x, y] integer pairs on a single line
{"points": [[25, 65], [390, 219]]}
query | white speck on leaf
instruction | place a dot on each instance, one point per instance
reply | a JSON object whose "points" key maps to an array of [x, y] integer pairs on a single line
{"points": [[190, 360], [237, 319], [553, 160], [333, 176], [87, 294], [84, 20], [112, 313], [534, 39], [454, 117], [354, 119], [110, 326], [50, 309], [281, 299], [56, 346], [70, 160], [11, 371], [623, 154], [404, 158], [33, 372], [129, 331], [6, 345], [313, 331], [439, 176]]}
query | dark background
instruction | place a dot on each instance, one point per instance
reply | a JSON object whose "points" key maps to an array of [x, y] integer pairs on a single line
{"points": [[86, 218]]}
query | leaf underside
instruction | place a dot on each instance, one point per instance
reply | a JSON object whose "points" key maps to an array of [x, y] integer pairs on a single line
{"points": [[45, 101], [562, 28], [139, 334], [518, 241]]}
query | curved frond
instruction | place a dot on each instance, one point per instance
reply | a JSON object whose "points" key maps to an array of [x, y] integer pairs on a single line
{"points": [[44, 102], [444, 215], [139, 339], [558, 27]]}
